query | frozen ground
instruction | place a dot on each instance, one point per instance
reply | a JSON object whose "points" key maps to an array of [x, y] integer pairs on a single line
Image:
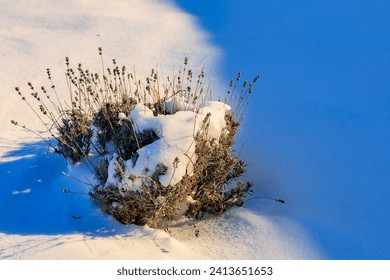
{"points": [[319, 145]]}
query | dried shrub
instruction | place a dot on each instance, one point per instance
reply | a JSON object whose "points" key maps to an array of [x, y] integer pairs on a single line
{"points": [[74, 136], [94, 126], [107, 123], [212, 188]]}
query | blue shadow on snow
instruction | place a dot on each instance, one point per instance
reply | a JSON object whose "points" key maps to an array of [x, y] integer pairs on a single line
{"points": [[31, 200]]}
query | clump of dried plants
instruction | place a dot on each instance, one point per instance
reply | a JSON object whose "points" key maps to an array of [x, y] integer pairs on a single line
{"points": [[92, 126]]}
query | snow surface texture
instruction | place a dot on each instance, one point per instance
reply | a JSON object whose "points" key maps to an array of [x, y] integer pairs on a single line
{"points": [[322, 115], [36, 220]]}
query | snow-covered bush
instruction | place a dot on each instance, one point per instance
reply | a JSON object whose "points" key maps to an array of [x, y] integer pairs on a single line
{"points": [[160, 149]]}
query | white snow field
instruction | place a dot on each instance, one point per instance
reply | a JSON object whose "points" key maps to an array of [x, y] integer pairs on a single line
{"points": [[36, 217], [317, 129], [314, 140]]}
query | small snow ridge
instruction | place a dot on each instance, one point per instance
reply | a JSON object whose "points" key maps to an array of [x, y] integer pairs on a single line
{"points": [[21, 192], [14, 158]]}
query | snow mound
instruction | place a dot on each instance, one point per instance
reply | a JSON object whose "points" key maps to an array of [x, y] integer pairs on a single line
{"points": [[175, 149]]}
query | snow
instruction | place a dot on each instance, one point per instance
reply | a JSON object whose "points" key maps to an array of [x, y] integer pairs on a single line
{"points": [[309, 138], [21, 192], [177, 143], [38, 220], [316, 130]]}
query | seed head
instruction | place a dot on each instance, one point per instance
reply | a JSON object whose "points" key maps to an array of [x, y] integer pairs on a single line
{"points": [[176, 162]]}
